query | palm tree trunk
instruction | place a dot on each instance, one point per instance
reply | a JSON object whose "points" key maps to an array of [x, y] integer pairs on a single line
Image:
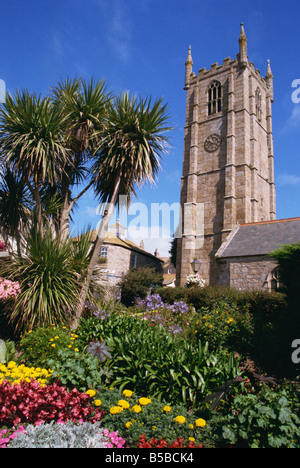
{"points": [[95, 253], [38, 205], [64, 221]]}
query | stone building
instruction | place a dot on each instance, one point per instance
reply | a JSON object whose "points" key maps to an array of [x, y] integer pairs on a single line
{"points": [[244, 257], [119, 255], [228, 172]]}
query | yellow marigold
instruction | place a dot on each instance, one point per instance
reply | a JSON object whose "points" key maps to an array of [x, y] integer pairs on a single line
{"points": [[127, 393], [91, 393], [200, 422], [167, 408], [116, 409], [144, 401], [191, 439], [123, 403], [98, 402], [128, 424], [136, 408], [11, 365], [180, 419], [16, 374]]}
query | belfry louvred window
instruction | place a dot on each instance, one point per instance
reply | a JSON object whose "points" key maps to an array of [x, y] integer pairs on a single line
{"points": [[214, 98], [258, 104]]}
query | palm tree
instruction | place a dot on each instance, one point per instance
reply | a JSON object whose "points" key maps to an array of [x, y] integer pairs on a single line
{"points": [[15, 207], [32, 141], [132, 143], [50, 141], [83, 105]]}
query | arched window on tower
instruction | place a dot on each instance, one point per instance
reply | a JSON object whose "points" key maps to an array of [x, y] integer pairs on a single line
{"points": [[214, 97], [258, 104]]}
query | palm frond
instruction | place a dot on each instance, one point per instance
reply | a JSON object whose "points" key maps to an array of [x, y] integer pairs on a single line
{"points": [[50, 275], [32, 136], [133, 141]]}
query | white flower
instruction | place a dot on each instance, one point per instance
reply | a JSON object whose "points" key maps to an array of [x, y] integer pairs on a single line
{"points": [[195, 280]]}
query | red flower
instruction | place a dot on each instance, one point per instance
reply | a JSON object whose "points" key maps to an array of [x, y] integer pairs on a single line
{"points": [[155, 443], [32, 403]]}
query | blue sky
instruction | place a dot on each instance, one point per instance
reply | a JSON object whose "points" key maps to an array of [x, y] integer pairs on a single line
{"points": [[141, 46]]}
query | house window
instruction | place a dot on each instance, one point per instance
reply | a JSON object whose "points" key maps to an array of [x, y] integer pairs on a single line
{"points": [[214, 98], [103, 252], [133, 261], [258, 104]]}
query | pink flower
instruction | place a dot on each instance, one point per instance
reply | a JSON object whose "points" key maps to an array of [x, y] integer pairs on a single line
{"points": [[8, 289]]}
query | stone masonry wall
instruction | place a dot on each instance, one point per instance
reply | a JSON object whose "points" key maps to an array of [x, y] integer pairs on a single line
{"points": [[246, 272]]}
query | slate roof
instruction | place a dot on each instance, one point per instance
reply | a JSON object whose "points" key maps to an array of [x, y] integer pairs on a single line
{"points": [[260, 238], [112, 239]]}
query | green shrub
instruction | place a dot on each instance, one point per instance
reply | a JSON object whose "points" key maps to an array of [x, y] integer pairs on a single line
{"points": [[40, 345], [224, 325], [138, 283], [266, 321], [171, 295], [147, 356], [263, 420]]}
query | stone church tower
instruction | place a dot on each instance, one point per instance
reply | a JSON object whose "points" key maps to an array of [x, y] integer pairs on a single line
{"points": [[228, 163]]}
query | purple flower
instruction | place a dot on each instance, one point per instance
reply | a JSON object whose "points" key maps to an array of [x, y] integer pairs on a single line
{"points": [[175, 329], [101, 314]]}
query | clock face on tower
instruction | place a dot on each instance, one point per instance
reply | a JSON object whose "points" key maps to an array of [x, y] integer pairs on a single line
{"points": [[212, 142]]}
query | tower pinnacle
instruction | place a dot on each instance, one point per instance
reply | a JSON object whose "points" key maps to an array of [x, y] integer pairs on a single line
{"points": [[188, 68], [243, 57], [269, 74], [269, 80]]}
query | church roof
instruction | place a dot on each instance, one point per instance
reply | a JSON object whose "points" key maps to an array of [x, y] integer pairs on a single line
{"points": [[260, 238]]}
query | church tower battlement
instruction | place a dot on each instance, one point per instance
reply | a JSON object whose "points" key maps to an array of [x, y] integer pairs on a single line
{"points": [[228, 161]]}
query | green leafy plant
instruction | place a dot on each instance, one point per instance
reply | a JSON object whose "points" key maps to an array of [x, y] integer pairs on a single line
{"points": [[263, 420], [39, 345], [50, 279], [78, 369], [147, 356]]}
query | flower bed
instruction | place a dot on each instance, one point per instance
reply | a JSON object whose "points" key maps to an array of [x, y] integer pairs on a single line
{"points": [[164, 383], [138, 420]]}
